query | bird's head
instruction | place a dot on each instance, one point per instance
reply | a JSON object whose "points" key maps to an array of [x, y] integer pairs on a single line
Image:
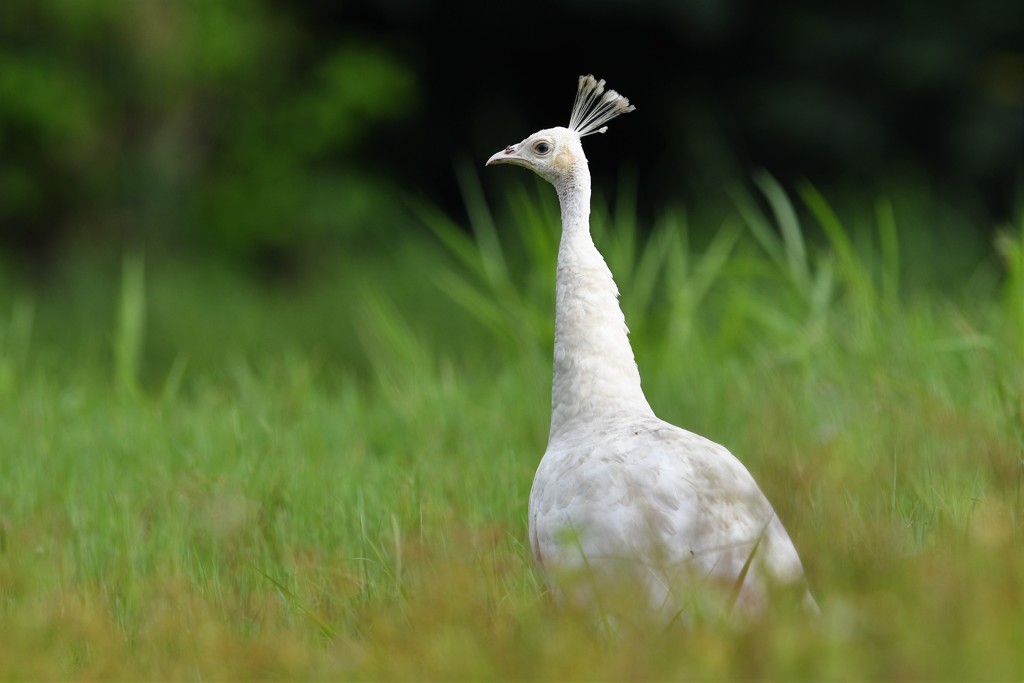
{"points": [[556, 154], [552, 153]]}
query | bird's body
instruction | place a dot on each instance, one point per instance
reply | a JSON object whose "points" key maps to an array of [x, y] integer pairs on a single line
{"points": [[620, 496], [642, 500]]}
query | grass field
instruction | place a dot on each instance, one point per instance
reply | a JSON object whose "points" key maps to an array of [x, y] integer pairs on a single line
{"points": [[202, 478]]}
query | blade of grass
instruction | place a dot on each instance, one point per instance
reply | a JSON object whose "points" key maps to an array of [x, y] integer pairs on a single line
{"points": [[129, 336], [792, 236], [890, 245], [325, 628]]}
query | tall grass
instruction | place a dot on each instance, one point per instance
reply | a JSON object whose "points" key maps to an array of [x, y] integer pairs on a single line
{"points": [[258, 505]]}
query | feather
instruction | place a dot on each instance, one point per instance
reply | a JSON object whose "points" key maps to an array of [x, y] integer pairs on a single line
{"points": [[594, 107]]}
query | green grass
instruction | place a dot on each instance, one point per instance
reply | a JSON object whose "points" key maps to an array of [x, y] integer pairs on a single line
{"points": [[205, 479]]}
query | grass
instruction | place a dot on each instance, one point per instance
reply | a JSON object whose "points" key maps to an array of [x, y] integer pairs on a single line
{"points": [[203, 479]]}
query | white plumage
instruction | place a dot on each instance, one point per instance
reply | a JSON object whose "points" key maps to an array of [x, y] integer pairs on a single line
{"points": [[622, 498]]}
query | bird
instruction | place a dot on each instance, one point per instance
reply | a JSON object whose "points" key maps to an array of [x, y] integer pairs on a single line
{"points": [[622, 499]]}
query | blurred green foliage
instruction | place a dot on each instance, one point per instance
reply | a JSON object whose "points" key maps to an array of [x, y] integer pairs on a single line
{"points": [[210, 121], [262, 130], [207, 479]]}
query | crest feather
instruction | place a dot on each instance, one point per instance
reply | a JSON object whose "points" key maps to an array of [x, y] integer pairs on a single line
{"points": [[594, 107]]}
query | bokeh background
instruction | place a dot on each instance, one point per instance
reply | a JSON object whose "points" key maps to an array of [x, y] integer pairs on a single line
{"points": [[260, 130], [275, 348], [268, 165]]}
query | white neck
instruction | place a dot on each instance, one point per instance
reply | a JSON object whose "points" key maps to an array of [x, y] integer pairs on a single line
{"points": [[595, 374]]}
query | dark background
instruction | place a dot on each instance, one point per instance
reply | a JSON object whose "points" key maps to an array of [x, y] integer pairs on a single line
{"points": [[257, 130]]}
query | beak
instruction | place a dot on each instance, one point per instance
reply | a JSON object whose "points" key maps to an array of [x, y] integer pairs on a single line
{"points": [[504, 156]]}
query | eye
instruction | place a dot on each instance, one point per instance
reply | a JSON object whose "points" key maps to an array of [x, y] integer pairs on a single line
{"points": [[542, 147]]}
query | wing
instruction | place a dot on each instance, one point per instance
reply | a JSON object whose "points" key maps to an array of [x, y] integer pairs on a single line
{"points": [[648, 493]]}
